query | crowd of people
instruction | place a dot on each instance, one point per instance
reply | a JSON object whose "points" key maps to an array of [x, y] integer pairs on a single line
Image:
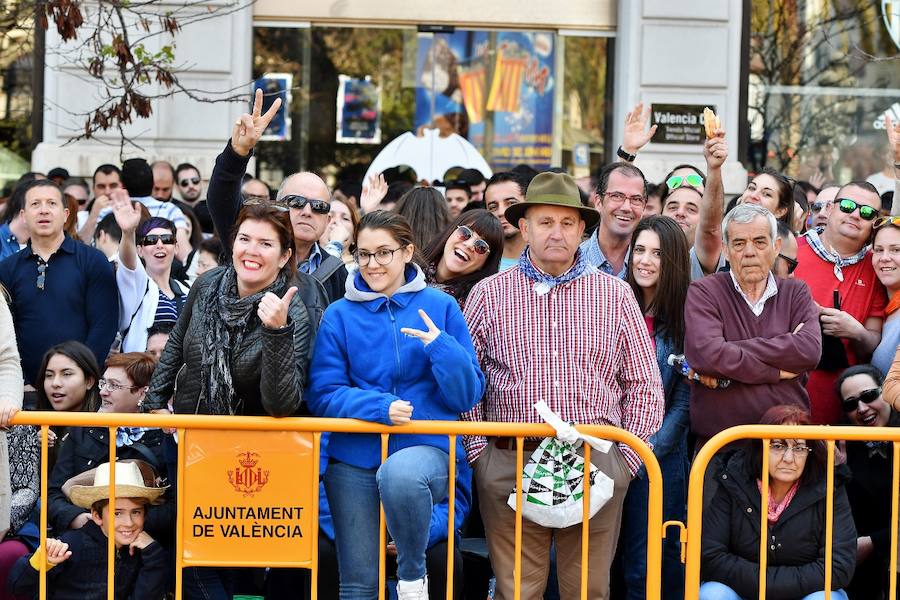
{"points": [[664, 310]]}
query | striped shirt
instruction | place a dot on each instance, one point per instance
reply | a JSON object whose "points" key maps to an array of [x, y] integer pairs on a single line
{"points": [[166, 310], [582, 347]]}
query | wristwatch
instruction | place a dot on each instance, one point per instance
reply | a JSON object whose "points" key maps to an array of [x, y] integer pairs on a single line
{"points": [[624, 155]]}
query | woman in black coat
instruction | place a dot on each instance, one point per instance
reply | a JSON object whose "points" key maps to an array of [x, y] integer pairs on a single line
{"points": [[795, 564]]}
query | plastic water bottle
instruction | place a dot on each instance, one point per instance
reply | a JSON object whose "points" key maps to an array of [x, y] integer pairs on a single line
{"points": [[680, 364]]}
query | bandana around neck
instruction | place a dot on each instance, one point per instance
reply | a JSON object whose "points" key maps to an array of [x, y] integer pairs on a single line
{"points": [[544, 282], [828, 254]]}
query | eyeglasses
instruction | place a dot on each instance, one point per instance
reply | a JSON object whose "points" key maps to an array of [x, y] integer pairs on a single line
{"points": [[780, 448], [318, 206], [882, 221], [42, 273], [112, 386], [383, 256], [791, 262], [192, 180], [820, 205], [71, 198], [151, 239], [676, 181], [619, 198], [480, 246], [867, 397], [866, 212], [278, 205]]}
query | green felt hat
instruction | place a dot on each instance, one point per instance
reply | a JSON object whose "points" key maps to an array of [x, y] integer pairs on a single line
{"points": [[552, 189]]}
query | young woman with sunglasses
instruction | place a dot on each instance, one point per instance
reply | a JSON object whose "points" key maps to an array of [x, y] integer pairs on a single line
{"points": [[860, 390], [465, 252], [659, 274], [390, 351], [886, 261], [797, 500], [148, 294]]}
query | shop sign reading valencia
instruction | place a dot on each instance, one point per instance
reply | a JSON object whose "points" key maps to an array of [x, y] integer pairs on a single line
{"points": [[251, 498]]}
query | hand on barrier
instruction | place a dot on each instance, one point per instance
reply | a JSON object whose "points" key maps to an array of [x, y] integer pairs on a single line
{"points": [[273, 311], [57, 551], [400, 412], [425, 336], [7, 412]]}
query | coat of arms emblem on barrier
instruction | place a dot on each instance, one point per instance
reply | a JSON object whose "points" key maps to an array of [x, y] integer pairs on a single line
{"points": [[248, 478]]}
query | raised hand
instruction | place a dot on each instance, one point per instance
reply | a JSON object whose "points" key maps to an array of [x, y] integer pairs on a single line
{"points": [[57, 551], [127, 214], [373, 192], [250, 127], [426, 337], [273, 311], [715, 150], [400, 412], [635, 135]]}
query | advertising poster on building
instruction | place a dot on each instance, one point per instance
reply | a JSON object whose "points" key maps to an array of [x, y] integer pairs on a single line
{"points": [[251, 499], [495, 89], [276, 85], [358, 111]]}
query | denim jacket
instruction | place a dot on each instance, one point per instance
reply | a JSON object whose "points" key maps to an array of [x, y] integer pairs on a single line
{"points": [[676, 421]]}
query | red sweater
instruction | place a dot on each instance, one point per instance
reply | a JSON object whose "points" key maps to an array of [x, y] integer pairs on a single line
{"points": [[726, 340]]}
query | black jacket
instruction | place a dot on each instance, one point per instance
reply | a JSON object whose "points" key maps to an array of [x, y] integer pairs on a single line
{"points": [[796, 548], [141, 576], [268, 370], [86, 447], [224, 203]]}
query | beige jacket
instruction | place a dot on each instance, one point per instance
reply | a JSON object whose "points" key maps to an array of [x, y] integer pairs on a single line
{"points": [[11, 390]]}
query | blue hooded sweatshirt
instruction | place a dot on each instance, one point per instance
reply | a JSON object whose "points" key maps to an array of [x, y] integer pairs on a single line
{"points": [[362, 363]]}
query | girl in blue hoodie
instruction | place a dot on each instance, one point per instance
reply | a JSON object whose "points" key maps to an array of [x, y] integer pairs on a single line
{"points": [[373, 361]]}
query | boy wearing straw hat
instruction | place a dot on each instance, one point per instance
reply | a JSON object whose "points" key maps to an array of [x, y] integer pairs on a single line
{"points": [[77, 561]]}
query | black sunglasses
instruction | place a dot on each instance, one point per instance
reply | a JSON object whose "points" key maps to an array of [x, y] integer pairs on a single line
{"points": [[867, 397], [791, 262], [151, 239], [318, 206], [193, 180]]}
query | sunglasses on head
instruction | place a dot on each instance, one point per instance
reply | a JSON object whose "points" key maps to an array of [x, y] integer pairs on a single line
{"points": [[882, 221], [465, 234], [278, 205], [318, 206], [191, 180], [151, 239], [866, 212], [867, 397], [676, 181]]}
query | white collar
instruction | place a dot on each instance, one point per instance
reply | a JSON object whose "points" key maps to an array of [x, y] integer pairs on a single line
{"points": [[758, 306]]}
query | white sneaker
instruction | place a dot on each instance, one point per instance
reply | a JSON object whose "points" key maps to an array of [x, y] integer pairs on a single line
{"points": [[413, 590]]}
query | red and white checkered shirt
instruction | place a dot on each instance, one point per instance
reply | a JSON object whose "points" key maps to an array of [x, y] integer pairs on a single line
{"points": [[582, 347]]}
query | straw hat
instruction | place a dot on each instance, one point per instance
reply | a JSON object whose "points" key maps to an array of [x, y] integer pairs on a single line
{"points": [[552, 189], [129, 484]]}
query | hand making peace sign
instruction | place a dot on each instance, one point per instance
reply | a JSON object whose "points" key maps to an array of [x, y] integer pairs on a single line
{"points": [[425, 336], [249, 128], [273, 311]]}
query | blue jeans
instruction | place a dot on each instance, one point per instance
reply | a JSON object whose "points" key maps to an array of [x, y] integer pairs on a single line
{"points": [[207, 583], [633, 534], [409, 483], [713, 590]]}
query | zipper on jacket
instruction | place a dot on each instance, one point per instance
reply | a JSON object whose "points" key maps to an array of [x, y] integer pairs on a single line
{"points": [[396, 347]]}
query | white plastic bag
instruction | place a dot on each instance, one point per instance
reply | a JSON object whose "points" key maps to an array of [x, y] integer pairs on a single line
{"points": [[553, 477]]}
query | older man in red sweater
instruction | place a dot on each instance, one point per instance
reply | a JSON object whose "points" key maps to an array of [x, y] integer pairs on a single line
{"points": [[748, 326]]}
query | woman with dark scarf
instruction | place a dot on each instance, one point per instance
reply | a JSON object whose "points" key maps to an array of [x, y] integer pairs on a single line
{"points": [[465, 252], [241, 345]]}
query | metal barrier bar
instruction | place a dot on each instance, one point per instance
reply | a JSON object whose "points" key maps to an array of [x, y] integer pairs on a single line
{"points": [[382, 529], [585, 520], [314, 571], [111, 519], [451, 512], [895, 487], [829, 520], [763, 432], [452, 429], [763, 520]]}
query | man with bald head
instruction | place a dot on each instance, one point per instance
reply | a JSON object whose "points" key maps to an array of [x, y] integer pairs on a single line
{"points": [[305, 194]]}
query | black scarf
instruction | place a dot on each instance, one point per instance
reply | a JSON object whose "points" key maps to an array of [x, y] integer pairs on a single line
{"points": [[227, 318]]}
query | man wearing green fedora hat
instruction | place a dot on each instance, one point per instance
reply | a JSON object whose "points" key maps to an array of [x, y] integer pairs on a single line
{"points": [[555, 328]]}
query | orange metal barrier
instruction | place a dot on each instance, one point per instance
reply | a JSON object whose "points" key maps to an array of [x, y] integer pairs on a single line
{"points": [[452, 429], [767, 433]]}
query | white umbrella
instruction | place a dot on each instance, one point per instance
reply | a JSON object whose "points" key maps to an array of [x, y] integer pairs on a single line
{"points": [[430, 155]]}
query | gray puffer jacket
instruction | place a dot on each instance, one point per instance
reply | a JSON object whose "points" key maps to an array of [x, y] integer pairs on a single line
{"points": [[269, 369]]}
